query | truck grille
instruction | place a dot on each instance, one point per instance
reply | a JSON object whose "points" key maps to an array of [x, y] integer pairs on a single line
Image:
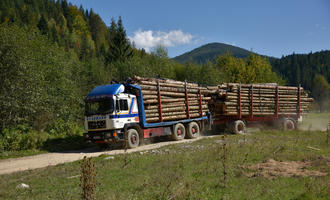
{"points": [[96, 124]]}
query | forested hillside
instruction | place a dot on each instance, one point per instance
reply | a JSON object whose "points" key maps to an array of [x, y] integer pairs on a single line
{"points": [[303, 68], [210, 51], [80, 30]]}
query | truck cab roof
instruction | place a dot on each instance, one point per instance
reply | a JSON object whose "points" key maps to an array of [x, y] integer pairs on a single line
{"points": [[112, 89], [104, 91]]}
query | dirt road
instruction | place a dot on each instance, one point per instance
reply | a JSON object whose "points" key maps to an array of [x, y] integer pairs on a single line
{"points": [[49, 159]]}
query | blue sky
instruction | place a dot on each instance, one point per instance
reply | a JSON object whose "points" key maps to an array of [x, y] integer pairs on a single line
{"points": [[273, 28]]}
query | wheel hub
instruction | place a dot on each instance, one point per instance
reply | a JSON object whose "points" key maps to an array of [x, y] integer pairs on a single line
{"points": [[179, 132], [240, 127], [289, 125], [133, 139]]}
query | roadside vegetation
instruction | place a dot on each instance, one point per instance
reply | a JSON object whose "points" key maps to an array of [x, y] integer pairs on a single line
{"points": [[222, 167]]}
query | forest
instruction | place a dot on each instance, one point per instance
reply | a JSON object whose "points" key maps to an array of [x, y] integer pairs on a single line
{"points": [[52, 53]]}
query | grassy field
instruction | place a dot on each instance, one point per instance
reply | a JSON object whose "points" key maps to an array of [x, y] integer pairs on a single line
{"points": [[192, 171]]}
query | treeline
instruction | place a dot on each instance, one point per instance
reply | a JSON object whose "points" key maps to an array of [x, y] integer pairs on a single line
{"points": [[303, 68], [311, 70]]}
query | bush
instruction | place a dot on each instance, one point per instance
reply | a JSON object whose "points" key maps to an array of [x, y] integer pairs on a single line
{"points": [[64, 128], [21, 138]]}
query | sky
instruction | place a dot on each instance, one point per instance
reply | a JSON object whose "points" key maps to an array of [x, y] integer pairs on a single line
{"points": [[267, 27]]}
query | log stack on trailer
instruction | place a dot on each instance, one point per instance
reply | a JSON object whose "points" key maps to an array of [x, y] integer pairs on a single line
{"points": [[166, 100], [258, 100]]}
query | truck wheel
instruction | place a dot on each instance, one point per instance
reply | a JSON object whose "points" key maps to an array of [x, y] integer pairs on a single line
{"points": [[132, 139], [193, 130], [238, 127], [179, 132], [289, 124]]}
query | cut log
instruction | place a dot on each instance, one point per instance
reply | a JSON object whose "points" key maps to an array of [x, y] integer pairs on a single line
{"points": [[175, 109], [167, 114], [263, 86], [138, 79], [170, 94], [258, 114], [156, 119], [171, 89], [266, 95], [268, 98], [169, 105]]}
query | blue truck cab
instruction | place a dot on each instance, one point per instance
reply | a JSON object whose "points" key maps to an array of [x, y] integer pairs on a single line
{"points": [[115, 113]]}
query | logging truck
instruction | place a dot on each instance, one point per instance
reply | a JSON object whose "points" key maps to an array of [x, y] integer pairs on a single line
{"points": [[117, 113], [144, 108]]}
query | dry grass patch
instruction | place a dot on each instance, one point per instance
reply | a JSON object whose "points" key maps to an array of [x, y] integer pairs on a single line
{"points": [[272, 168]]}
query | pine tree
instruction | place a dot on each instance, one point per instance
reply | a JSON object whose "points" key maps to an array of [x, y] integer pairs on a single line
{"points": [[119, 46], [43, 25], [54, 34]]}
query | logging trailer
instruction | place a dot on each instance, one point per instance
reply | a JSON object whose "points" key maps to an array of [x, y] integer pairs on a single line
{"points": [[254, 104], [133, 111], [115, 113]]}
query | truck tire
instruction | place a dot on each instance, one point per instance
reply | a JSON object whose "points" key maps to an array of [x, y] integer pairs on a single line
{"points": [[132, 138], [193, 130], [237, 127], [289, 124], [179, 132]]}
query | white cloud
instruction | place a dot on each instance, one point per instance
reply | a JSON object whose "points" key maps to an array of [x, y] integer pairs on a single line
{"points": [[149, 39]]}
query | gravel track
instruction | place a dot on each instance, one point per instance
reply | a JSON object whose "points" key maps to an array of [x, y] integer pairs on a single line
{"points": [[12, 165]]}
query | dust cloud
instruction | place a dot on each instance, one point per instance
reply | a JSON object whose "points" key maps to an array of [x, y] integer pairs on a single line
{"points": [[315, 122]]}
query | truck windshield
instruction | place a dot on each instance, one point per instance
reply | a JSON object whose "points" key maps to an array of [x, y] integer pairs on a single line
{"points": [[99, 107]]}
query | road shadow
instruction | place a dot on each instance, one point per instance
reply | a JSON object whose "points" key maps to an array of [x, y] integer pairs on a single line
{"points": [[69, 144], [77, 144]]}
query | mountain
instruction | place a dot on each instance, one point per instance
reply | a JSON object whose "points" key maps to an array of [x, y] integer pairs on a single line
{"points": [[209, 51]]}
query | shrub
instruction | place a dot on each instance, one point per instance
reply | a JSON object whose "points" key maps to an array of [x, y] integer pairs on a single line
{"points": [[21, 138], [65, 128]]}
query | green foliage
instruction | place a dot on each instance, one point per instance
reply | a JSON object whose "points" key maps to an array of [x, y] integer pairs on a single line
{"points": [[22, 137], [321, 92], [119, 46], [160, 51], [254, 69], [42, 25], [62, 22], [65, 128], [36, 79], [303, 68]]}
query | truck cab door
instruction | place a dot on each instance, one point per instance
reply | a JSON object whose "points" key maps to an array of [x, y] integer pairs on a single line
{"points": [[121, 107]]}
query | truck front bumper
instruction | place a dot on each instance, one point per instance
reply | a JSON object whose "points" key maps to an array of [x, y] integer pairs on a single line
{"points": [[104, 136]]}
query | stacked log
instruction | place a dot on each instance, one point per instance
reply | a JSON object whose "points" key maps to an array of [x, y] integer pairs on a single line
{"points": [[267, 99], [166, 100]]}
